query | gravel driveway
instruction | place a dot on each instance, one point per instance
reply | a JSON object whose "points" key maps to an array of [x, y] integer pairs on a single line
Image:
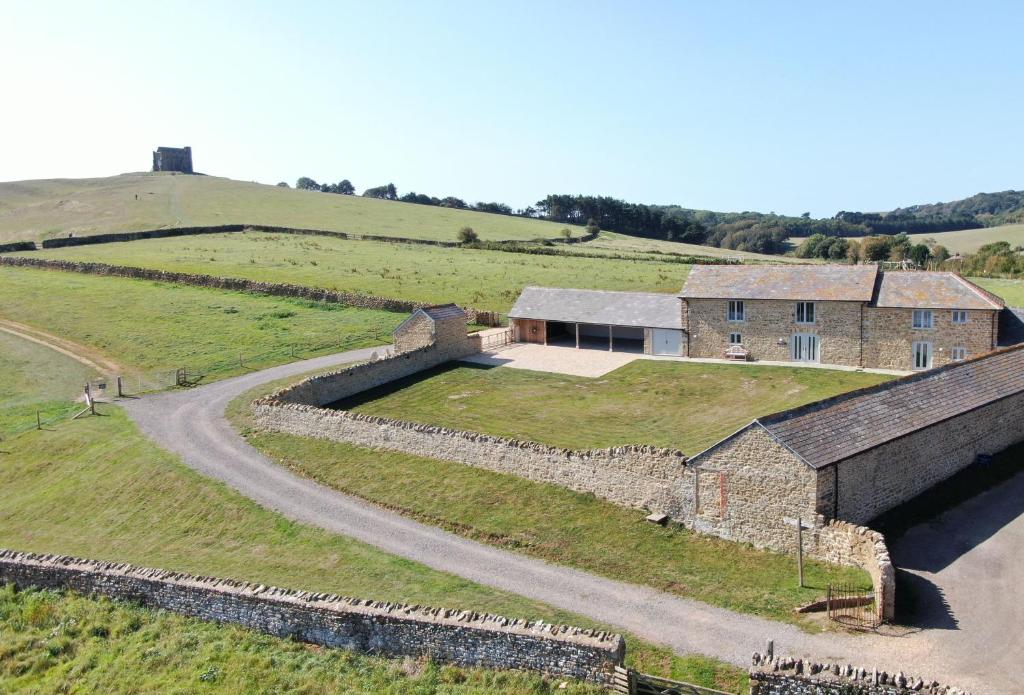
{"points": [[191, 423]]}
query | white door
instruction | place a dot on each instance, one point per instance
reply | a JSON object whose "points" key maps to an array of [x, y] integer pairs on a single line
{"points": [[922, 355], [666, 341], [804, 347]]}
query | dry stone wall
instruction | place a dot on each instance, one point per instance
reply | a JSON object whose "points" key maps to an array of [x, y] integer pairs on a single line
{"points": [[373, 627], [843, 543], [771, 675], [276, 289]]}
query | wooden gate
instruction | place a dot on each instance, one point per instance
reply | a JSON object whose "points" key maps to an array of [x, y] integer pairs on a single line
{"points": [[530, 331], [850, 606], [630, 682]]}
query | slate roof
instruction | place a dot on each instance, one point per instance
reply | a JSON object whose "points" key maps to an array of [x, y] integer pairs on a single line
{"points": [[444, 311], [917, 289], [837, 428], [848, 283], [637, 309]]}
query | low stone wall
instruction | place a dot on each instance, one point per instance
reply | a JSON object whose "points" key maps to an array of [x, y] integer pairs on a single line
{"points": [[373, 627], [364, 301], [842, 543], [786, 676]]}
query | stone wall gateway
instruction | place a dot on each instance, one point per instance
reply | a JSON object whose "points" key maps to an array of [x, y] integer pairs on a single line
{"points": [[380, 628]]}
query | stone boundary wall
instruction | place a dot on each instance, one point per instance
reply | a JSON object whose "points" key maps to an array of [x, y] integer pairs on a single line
{"points": [[843, 543], [276, 289], [116, 237], [770, 675], [373, 627], [643, 477]]}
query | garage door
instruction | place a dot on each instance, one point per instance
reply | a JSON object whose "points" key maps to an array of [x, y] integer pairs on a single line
{"points": [[667, 341]]}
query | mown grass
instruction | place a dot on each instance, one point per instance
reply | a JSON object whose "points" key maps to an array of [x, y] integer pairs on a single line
{"points": [[61, 642], [685, 406], [481, 278], [552, 523], [1012, 291], [970, 240], [152, 326], [33, 210], [97, 488], [33, 378]]}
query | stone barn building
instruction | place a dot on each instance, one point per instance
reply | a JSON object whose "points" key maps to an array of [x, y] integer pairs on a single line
{"points": [[846, 315], [173, 159], [443, 323], [859, 454]]}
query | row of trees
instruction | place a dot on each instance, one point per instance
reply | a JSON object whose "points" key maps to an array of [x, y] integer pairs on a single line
{"points": [[390, 192], [627, 218], [890, 247]]}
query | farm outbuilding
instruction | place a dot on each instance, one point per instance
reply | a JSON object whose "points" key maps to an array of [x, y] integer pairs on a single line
{"points": [[641, 322]]}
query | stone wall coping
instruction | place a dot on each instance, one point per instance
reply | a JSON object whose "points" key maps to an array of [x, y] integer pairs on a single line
{"points": [[845, 674], [328, 602]]}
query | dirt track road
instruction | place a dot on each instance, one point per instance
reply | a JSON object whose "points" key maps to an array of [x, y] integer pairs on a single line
{"points": [[980, 652]]}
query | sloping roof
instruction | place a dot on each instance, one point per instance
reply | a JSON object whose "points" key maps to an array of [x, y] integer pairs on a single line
{"points": [[444, 311], [848, 283], [917, 289], [643, 309], [837, 428]]}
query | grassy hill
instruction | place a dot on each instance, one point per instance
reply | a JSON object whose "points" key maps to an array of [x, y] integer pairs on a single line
{"points": [[34, 210], [969, 240]]}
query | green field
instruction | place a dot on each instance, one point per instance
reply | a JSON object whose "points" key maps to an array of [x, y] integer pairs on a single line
{"points": [[35, 210], [54, 642], [970, 240], [670, 404], [484, 279], [33, 378], [96, 488], [151, 326], [611, 242], [1012, 291]]}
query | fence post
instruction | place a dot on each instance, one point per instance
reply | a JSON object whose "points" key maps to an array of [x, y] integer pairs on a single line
{"points": [[39, 421], [120, 387]]}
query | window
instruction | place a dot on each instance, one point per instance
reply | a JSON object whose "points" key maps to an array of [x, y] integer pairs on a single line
{"points": [[805, 312], [958, 354], [735, 339], [736, 310], [959, 317], [922, 355], [923, 318]]}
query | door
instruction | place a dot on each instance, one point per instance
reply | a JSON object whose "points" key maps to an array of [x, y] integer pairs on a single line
{"points": [[804, 347], [531, 331], [666, 341], [922, 355]]}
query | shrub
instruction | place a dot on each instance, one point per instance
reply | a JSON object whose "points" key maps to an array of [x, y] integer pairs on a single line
{"points": [[467, 235]]}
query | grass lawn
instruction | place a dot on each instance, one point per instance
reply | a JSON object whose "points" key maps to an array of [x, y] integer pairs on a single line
{"points": [[34, 378], [61, 642], [1012, 291], [34, 210], [686, 406], [152, 326], [552, 523], [484, 279], [96, 488]]}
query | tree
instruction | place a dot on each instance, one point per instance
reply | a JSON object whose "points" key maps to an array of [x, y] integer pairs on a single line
{"points": [[919, 254], [453, 202], [283, 184], [940, 253], [467, 235], [307, 184], [345, 187], [875, 248], [566, 233], [388, 192]]}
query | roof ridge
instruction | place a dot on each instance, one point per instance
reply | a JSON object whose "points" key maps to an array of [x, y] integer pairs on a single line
{"points": [[783, 415], [990, 297], [582, 289]]}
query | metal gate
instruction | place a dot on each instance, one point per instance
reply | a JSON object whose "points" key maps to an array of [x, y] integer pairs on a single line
{"points": [[630, 682], [850, 606]]}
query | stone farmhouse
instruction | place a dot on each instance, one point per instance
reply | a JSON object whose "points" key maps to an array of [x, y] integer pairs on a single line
{"points": [[856, 316]]}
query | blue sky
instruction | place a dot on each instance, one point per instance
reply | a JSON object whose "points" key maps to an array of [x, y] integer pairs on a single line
{"points": [[771, 106]]}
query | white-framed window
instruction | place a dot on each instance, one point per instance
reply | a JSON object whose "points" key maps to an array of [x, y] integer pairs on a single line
{"points": [[923, 318], [735, 339], [922, 354], [805, 312], [958, 354], [959, 317], [736, 310]]}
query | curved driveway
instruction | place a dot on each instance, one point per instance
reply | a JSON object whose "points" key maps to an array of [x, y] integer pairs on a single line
{"points": [[191, 423]]}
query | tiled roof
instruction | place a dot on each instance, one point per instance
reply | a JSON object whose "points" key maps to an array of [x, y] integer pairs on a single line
{"points": [[916, 289], [849, 283], [638, 309], [444, 311], [837, 428]]}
